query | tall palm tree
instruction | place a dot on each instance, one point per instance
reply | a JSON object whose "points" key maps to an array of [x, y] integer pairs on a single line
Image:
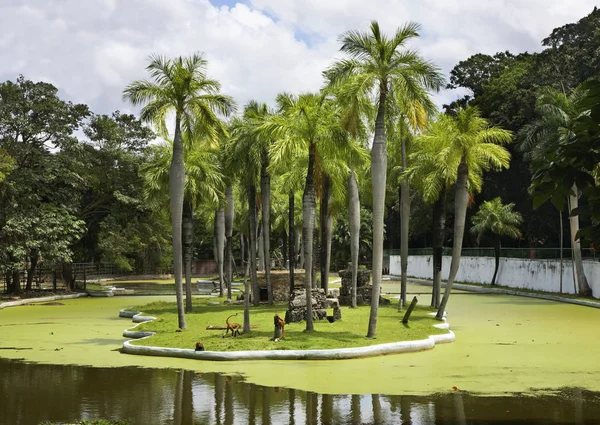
{"points": [[237, 166], [474, 147], [412, 117], [203, 187], [309, 123], [387, 70], [179, 85], [559, 114], [499, 219]]}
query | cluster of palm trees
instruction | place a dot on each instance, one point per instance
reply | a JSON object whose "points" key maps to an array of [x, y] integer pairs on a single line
{"points": [[317, 143]]}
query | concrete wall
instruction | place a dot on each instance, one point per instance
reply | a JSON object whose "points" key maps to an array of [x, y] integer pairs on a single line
{"points": [[540, 275]]}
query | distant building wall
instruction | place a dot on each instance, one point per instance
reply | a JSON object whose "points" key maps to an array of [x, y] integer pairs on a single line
{"points": [[539, 275]]}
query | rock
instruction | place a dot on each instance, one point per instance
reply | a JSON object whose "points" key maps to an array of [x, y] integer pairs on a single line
{"points": [[331, 302], [213, 303]]}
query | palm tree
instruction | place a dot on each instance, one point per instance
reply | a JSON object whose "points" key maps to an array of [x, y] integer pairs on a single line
{"points": [[412, 117], [203, 182], [388, 71], [473, 147], [432, 179], [498, 219], [179, 85], [308, 122], [559, 114]]}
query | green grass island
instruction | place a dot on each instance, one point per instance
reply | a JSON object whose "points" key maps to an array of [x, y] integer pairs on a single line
{"points": [[344, 338]]}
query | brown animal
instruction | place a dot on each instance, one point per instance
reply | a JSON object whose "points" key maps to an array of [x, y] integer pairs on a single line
{"points": [[280, 324], [235, 328], [199, 347]]}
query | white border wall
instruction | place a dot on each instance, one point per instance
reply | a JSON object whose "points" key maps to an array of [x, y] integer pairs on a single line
{"points": [[540, 275]]}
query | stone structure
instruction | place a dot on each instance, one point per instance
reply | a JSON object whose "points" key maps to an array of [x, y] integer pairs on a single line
{"points": [[364, 289], [297, 306]]}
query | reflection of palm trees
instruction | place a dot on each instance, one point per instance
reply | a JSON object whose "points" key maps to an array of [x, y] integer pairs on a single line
{"points": [[251, 403], [326, 409], [376, 408], [292, 404], [405, 410], [219, 381], [228, 402], [187, 399], [355, 409], [177, 406], [266, 406]]}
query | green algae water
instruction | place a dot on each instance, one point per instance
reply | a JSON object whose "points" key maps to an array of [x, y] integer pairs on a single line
{"points": [[515, 360]]}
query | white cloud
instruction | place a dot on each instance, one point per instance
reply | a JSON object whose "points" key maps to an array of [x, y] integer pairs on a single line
{"points": [[91, 49]]}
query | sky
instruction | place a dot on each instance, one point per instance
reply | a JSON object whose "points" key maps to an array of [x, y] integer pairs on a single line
{"points": [[91, 49]]}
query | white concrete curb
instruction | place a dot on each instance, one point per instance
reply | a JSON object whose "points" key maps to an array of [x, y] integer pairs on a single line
{"points": [[40, 300], [332, 354]]}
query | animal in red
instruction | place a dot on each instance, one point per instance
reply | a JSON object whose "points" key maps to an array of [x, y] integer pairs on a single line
{"points": [[280, 324], [235, 328]]}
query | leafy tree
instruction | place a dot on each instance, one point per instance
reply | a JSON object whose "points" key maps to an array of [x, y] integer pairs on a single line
{"points": [[39, 190], [474, 147], [203, 187], [388, 71], [559, 125], [121, 228], [499, 219], [181, 86], [308, 123]]}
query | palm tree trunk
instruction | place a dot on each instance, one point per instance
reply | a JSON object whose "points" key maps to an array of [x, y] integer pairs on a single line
{"points": [[220, 246], [460, 213], [496, 259], [260, 246], [252, 222], [246, 295], [439, 227], [176, 189], [354, 224], [404, 222], [265, 193], [329, 237], [309, 207], [284, 248], [582, 283], [229, 212], [324, 213], [300, 249], [378, 176], [242, 252], [291, 242], [188, 249], [561, 249]]}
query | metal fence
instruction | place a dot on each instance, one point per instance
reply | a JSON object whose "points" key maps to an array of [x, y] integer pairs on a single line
{"points": [[529, 253]]}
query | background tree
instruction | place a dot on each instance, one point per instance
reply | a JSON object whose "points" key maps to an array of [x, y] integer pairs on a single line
{"points": [[473, 146], [387, 70], [180, 85], [500, 220]]}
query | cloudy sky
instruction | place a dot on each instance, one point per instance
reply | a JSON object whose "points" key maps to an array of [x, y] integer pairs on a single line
{"points": [[90, 49]]}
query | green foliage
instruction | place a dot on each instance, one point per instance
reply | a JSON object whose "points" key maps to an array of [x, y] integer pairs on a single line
{"points": [[181, 85], [498, 219], [340, 253]]}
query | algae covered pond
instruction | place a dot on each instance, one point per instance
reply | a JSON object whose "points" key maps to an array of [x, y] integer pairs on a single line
{"points": [[515, 359]]}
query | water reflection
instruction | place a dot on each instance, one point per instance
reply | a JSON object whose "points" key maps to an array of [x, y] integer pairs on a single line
{"points": [[32, 393]]}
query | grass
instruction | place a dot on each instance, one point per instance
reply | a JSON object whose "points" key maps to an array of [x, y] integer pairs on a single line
{"points": [[349, 332]]}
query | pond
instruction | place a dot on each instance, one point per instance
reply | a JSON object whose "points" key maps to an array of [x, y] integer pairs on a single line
{"points": [[514, 359]]}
